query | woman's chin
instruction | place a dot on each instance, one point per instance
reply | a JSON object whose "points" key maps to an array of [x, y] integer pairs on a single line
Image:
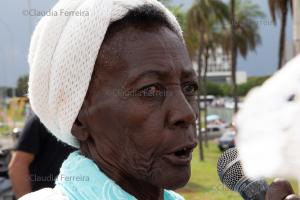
{"points": [[174, 177]]}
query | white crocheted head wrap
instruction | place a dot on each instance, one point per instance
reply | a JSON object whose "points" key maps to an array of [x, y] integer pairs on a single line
{"points": [[62, 56]]}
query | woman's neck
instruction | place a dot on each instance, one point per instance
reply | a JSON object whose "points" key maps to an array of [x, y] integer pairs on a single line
{"points": [[141, 190]]}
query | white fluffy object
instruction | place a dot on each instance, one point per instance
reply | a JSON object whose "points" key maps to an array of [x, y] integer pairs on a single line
{"points": [[62, 54], [269, 128]]}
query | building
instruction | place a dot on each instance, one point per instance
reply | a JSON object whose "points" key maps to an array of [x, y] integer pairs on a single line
{"points": [[296, 27], [218, 70]]}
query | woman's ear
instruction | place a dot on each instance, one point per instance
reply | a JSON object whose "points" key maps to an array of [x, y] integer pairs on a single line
{"points": [[79, 129]]}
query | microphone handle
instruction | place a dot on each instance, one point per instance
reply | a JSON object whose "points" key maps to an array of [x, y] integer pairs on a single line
{"points": [[253, 190]]}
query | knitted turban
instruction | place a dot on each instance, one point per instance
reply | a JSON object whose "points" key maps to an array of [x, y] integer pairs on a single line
{"points": [[62, 55]]}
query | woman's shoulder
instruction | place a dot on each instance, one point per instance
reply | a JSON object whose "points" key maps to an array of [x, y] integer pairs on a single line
{"points": [[171, 195], [56, 194], [45, 194]]}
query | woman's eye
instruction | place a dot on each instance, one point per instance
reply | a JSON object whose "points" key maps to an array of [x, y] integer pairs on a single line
{"points": [[151, 91], [190, 89]]}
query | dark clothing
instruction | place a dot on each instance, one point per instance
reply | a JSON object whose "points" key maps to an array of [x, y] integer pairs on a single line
{"points": [[49, 153]]}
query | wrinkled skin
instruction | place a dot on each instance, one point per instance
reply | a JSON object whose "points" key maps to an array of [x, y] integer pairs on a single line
{"points": [[130, 136]]}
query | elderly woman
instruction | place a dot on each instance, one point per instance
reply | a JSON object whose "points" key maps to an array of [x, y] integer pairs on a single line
{"points": [[113, 78], [117, 84]]}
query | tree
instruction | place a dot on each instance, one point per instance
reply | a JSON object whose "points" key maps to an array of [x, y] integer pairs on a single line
{"points": [[6, 92], [241, 35], [233, 46], [214, 89], [280, 7], [22, 86], [252, 82], [177, 11], [205, 19]]}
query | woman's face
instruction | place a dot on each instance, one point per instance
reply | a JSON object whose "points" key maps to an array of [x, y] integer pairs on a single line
{"points": [[141, 109]]}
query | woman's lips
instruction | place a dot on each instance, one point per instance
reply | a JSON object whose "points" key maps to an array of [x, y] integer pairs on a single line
{"points": [[181, 155]]}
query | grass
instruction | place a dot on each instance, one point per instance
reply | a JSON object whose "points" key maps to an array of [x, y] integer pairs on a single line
{"points": [[4, 130], [204, 183]]}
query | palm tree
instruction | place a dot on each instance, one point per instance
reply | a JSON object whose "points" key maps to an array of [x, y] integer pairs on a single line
{"points": [[177, 11], [204, 18], [241, 35], [233, 46], [280, 7]]}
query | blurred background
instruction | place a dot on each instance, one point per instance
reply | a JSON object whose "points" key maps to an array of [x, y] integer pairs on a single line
{"points": [[235, 45]]}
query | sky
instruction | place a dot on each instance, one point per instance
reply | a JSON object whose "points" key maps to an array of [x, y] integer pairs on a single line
{"points": [[16, 27]]}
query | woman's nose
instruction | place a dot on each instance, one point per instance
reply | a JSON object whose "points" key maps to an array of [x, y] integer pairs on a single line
{"points": [[181, 113]]}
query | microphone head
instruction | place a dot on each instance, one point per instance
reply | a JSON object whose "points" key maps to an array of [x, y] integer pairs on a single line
{"points": [[231, 174], [229, 168]]}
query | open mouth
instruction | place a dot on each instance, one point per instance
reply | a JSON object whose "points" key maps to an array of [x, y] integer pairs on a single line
{"points": [[181, 155], [184, 153]]}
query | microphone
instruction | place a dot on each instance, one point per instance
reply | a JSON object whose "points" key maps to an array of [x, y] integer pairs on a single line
{"points": [[231, 174]]}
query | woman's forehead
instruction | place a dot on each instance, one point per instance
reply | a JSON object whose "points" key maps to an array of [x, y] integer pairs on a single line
{"points": [[134, 49]]}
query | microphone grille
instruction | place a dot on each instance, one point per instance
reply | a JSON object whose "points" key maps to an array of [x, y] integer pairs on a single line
{"points": [[229, 168], [225, 158]]}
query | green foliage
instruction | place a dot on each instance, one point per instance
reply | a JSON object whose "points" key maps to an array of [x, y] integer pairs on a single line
{"points": [[22, 86], [218, 89], [177, 11], [225, 89], [211, 24], [6, 91], [204, 183], [180, 15], [9, 92], [279, 7], [205, 24], [4, 129], [247, 37], [214, 89], [252, 82], [211, 19]]}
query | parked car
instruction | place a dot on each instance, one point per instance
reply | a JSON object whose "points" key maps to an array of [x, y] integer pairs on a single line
{"points": [[227, 140], [215, 124]]}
